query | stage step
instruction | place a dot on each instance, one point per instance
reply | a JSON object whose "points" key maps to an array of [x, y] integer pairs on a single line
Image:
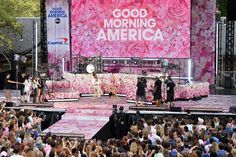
{"points": [[45, 104]]}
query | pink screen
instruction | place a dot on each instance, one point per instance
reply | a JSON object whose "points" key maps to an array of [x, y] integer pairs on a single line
{"points": [[131, 28]]}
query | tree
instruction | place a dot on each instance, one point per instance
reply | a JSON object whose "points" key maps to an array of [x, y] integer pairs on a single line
{"points": [[9, 10], [222, 6]]}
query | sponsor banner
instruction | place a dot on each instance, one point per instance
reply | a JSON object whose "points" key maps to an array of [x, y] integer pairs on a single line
{"points": [[58, 32]]}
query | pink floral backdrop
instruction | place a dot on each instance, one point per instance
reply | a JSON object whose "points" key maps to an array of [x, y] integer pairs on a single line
{"points": [[202, 45], [172, 17], [73, 85], [203, 40]]}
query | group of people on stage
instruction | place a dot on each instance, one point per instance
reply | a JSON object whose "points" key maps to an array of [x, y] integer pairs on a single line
{"points": [[141, 89], [157, 91], [97, 86], [27, 86]]}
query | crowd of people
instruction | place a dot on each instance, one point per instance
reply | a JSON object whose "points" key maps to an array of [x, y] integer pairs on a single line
{"points": [[19, 131], [152, 136], [28, 86]]}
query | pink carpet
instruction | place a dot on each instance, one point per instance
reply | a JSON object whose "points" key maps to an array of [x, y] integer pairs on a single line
{"points": [[87, 116], [90, 114]]}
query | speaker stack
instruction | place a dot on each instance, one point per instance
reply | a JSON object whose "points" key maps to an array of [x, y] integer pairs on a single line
{"points": [[231, 11]]}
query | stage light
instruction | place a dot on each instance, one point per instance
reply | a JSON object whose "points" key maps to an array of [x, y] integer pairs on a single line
{"points": [[135, 60], [114, 61]]}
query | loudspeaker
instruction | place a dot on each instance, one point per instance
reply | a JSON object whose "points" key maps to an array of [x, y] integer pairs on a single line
{"points": [[10, 104], [175, 109], [231, 11], [232, 109]]}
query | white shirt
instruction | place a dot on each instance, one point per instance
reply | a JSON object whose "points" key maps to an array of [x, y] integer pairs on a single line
{"points": [[27, 85]]}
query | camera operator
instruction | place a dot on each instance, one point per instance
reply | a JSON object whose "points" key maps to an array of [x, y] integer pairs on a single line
{"points": [[122, 124], [114, 122]]}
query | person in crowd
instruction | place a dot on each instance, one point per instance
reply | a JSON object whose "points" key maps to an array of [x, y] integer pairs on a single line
{"points": [[97, 85], [21, 87], [140, 93], [170, 85], [27, 87], [157, 91], [7, 87]]}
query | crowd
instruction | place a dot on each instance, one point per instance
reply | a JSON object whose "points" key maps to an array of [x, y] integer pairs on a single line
{"points": [[27, 86], [18, 130], [147, 137]]}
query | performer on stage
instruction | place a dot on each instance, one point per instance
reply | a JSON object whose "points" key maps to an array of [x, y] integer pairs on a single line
{"points": [[112, 86], [36, 85], [21, 79], [7, 87], [157, 91], [140, 93], [97, 85], [27, 87], [170, 90]]}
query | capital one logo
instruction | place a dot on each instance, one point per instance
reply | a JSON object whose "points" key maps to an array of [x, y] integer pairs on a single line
{"points": [[59, 41]]}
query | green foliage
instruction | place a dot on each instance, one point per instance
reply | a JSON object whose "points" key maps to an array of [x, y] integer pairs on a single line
{"points": [[9, 10], [222, 6]]}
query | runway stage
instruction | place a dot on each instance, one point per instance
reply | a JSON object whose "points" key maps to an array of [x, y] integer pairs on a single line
{"points": [[90, 114]]}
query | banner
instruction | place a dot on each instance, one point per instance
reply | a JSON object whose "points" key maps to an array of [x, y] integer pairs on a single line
{"points": [[58, 32], [131, 28]]}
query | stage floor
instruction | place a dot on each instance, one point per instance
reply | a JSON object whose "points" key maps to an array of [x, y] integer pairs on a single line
{"points": [[90, 114]]}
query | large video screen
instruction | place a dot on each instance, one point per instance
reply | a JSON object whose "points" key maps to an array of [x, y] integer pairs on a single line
{"points": [[131, 28]]}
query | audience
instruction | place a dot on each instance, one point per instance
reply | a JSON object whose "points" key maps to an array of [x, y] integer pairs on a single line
{"points": [[169, 136]]}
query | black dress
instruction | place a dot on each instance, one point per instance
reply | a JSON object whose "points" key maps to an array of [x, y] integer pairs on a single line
{"points": [[141, 89], [170, 91], [157, 90]]}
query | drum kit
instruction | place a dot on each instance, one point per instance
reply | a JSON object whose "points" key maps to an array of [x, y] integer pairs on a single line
{"points": [[90, 68], [88, 65]]}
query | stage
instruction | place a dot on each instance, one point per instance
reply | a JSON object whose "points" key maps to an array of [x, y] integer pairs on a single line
{"points": [[89, 114]]}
